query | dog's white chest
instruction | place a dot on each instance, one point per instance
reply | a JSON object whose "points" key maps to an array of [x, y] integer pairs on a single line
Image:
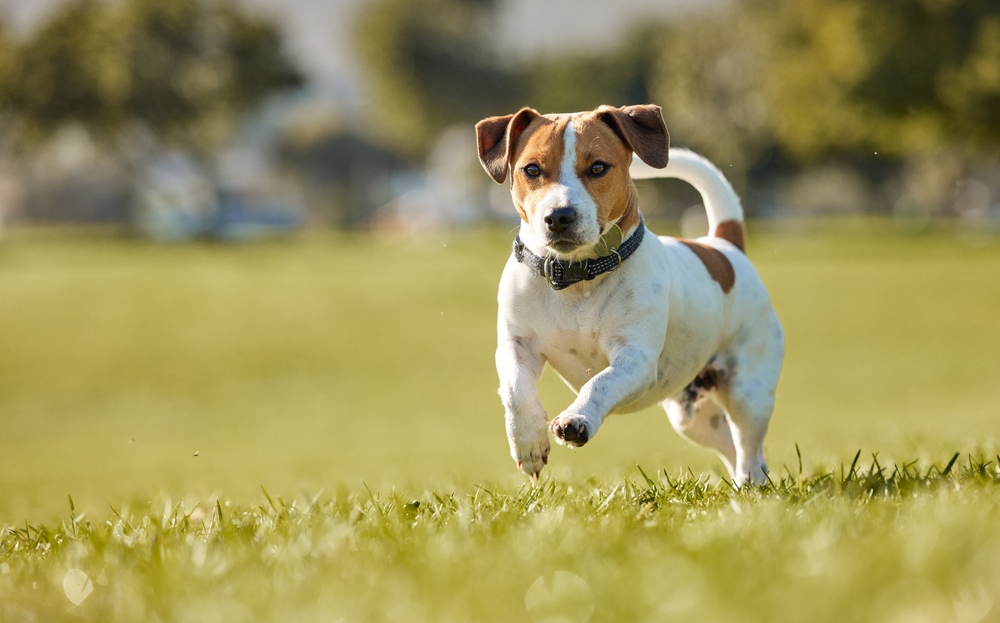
{"points": [[577, 330], [575, 352]]}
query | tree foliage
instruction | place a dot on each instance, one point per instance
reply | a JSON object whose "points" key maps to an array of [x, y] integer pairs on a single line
{"points": [[821, 77], [430, 64], [8, 69], [183, 68], [811, 79], [582, 81], [435, 63]]}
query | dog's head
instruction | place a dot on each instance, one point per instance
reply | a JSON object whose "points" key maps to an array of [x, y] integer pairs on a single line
{"points": [[570, 173]]}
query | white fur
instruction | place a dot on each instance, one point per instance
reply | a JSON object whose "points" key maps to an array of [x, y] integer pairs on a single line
{"points": [[721, 201], [638, 336]]}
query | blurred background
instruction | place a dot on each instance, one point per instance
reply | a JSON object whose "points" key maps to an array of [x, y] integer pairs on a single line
{"points": [[250, 242]]}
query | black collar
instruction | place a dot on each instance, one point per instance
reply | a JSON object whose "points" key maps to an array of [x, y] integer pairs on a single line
{"points": [[564, 273]]}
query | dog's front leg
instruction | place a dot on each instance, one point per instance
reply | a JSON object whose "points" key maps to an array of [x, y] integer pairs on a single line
{"points": [[519, 365], [631, 372]]}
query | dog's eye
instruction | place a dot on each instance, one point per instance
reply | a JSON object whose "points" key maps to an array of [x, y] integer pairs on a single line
{"points": [[532, 170], [598, 169]]}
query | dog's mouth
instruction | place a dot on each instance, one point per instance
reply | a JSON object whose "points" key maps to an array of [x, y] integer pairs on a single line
{"points": [[566, 242], [564, 245]]}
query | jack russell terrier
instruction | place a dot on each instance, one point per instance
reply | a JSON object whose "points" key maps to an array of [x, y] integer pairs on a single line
{"points": [[626, 318]]}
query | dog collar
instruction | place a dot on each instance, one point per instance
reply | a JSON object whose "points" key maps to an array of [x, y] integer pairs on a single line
{"points": [[564, 273]]}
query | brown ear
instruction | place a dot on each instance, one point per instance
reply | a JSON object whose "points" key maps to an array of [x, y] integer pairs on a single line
{"points": [[642, 129], [496, 136]]}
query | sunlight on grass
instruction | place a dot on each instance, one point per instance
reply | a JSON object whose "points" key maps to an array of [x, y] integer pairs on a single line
{"points": [[865, 542], [184, 378], [320, 361]]}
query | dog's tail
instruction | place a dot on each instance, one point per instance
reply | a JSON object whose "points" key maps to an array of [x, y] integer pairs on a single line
{"points": [[725, 214]]}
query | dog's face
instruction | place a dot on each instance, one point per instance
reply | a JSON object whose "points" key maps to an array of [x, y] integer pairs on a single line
{"points": [[569, 173]]}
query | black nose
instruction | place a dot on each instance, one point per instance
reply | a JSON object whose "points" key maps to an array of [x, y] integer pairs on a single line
{"points": [[560, 219]]}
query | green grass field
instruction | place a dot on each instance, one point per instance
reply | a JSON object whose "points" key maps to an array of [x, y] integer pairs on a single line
{"points": [[173, 382]]}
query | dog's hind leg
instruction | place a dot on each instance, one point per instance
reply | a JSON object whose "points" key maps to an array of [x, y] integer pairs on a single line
{"points": [[749, 403], [749, 413], [703, 422], [748, 397]]}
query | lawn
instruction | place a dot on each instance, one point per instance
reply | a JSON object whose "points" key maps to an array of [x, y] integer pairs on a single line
{"points": [[173, 382]]}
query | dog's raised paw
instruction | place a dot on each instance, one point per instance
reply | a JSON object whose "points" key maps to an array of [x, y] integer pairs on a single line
{"points": [[571, 430]]}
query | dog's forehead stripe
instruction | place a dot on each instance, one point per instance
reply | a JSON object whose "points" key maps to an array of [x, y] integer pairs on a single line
{"points": [[541, 144], [568, 169], [614, 193]]}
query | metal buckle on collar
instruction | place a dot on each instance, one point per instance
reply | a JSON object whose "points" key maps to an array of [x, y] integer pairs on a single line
{"points": [[579, 272], [568, 272], [547, 270]]}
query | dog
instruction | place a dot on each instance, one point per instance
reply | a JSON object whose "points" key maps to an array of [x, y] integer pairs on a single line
{"points": [[626, 318]]}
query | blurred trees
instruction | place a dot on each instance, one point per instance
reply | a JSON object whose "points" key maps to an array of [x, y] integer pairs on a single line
{"points": [[583, 80], [183, 69], [431, 63], [434, 63], [792, 81], [706, 78], [817, 78], [8, 70], [776, 84]]}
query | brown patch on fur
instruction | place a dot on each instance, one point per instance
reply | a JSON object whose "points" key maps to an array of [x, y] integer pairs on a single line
{"points": [[628, 217], [540, 143], [638, 129], [718, 265], [629, 220], [733, 232], [614, 193]]}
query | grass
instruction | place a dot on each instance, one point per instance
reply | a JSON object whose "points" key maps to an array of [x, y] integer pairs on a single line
{"points": [[171, 382], [905, 543]]}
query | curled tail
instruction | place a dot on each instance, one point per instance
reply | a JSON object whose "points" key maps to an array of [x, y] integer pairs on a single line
{"points": [[725, 214]]}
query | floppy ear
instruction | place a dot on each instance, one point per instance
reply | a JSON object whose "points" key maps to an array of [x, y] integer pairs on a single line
{"points": [[496, 136], [642, 129]]}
